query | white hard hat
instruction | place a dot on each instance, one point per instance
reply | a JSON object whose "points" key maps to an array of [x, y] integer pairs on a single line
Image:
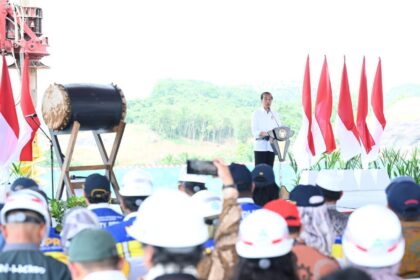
{"points": [[186, 177], [210, 204], [330, 180], [263, 234], [26, 200], [137, 183], [373, 237], [169, 219], [75, 220]]}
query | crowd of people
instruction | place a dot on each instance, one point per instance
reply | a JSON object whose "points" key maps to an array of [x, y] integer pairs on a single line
{"points": [[189, 232]]}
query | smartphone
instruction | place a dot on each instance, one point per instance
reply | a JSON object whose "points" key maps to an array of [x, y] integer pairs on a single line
{"points": [[201, 167]]}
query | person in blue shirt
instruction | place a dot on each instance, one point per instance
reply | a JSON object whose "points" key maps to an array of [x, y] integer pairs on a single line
{"points": [[243, 181], [97, 191], [137, 186]]}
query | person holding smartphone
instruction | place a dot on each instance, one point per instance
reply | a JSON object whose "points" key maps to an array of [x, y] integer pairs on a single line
{"points": [[264, 120]]}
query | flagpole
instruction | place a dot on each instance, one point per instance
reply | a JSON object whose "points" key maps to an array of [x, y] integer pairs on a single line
{"points": [[32, 117]]}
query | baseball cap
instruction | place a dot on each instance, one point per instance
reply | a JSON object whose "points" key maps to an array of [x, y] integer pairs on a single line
{"points": [[397, 180], [307, 196], [96, 183], [23, 183], [287, 210], [404, 198], [330, 180], [137, 183], [91, 245], [241, 176], [263, 173]]}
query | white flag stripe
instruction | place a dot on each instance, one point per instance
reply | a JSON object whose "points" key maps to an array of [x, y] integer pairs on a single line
{"points": [[319, 142], [8, 142], [377, 130], [25, 131], [377, 136], [349, 144], [301, 149]]}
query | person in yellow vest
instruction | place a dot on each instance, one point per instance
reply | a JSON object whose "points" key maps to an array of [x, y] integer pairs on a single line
{"points": [[137, 187]]}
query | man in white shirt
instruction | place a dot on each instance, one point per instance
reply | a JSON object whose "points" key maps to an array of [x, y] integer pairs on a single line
{"points": [[264, 120]]}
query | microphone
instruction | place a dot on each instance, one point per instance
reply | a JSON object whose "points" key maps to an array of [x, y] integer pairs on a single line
{"points": [[34, 115], [273, 117]]}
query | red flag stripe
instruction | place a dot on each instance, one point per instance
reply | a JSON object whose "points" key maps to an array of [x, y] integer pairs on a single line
{"points": [[362, 112], [323, 108], [307, 105], [27, 109], [345, 107], [377, 96], [7, 102]]}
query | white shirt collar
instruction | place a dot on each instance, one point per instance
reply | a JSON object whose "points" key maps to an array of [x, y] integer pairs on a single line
{"points": [[105, 275], [129, 216], [160, 270], [99, 205], [263, 110], [245, 200]]}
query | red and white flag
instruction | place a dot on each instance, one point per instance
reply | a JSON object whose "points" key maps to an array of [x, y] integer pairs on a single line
{"points": [[322, 130], [377, 103], [9, 125], [304, 149], [346, 129], [362, 112], [28, 109]]}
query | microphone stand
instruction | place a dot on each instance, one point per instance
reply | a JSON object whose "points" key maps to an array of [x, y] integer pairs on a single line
{"points": [[280, 175], [32, 117]]}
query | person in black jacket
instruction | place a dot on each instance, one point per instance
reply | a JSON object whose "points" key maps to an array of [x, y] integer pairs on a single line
{"points": [[25, 222]]}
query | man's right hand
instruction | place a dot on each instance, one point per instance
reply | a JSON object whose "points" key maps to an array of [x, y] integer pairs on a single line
{"points": [[263, 134]]}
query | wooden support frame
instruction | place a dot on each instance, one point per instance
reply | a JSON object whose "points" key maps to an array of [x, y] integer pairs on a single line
{"points": [[64, 161]]}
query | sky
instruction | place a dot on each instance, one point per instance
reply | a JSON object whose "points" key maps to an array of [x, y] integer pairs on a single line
{"points": [[261, 43]]}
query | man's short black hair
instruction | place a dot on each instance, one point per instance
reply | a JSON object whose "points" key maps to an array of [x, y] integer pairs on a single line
{"points": [[244, 187], [99, 197], [194, 187], [132, 203], [294, 229], [110, 263], [330, 195], [266, 93]]}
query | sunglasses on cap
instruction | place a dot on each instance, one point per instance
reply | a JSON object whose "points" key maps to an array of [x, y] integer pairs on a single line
{"points": [[21, 217]]}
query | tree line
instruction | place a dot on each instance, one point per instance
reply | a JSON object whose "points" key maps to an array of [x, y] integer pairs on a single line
{"points": [[204, 111]]}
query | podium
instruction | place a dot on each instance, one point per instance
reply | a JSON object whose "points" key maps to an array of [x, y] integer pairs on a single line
{"points": [[280, 141]]}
